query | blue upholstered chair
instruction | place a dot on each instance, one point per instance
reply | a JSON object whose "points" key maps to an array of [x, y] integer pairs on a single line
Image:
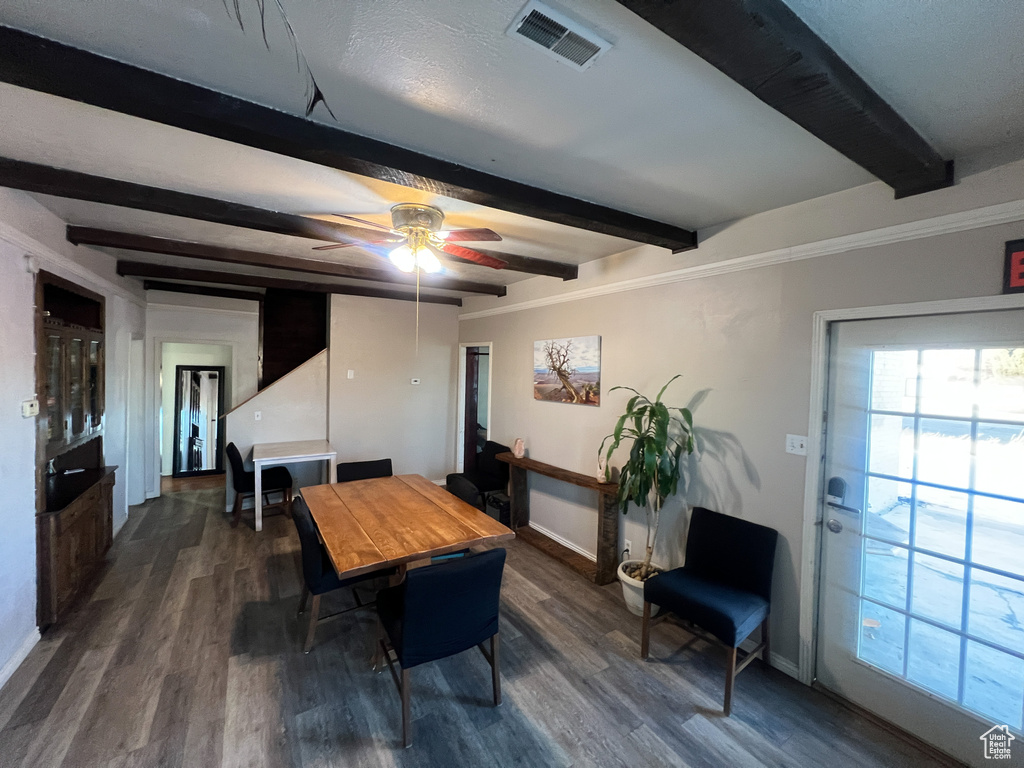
{"points": [[274, 480], [364, 470], [725, 587], [439, 611], [318, 575]]}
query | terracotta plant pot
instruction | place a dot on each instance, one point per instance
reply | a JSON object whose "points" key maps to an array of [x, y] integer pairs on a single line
{"points": [[633, 590]]}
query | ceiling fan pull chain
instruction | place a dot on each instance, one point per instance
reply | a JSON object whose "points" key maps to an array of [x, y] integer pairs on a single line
{"points": [[417, 311]]}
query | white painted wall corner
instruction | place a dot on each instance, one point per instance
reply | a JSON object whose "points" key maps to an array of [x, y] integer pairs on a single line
{"points": [[19, 656]]}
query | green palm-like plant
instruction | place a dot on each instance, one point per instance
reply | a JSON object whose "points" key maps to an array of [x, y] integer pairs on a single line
{"points": [[658, 436]]}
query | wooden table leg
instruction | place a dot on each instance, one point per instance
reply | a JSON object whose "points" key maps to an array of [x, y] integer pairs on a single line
{"points": [[258, 501], [519, 498], [607, 538], [399, 576]]}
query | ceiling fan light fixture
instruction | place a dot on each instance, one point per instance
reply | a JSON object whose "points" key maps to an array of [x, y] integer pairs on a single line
{"points": [[403, 258], [427, 261]]}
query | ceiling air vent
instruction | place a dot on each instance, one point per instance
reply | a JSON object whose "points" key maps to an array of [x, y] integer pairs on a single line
{"points": [[558, 35]]}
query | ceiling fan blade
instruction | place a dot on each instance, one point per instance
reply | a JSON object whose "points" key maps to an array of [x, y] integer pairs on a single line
{"points": [[468, 254], [334, 246], [467, 235], [373, 224]]}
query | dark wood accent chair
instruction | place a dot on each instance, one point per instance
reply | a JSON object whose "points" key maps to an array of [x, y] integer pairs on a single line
{"points": [[319, 576], [490, 475], [364, 470], [725, 587], [275, 480], [439, 611]]}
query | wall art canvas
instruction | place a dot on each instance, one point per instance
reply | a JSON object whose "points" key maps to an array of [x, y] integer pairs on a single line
{"points": [[568, 370]]}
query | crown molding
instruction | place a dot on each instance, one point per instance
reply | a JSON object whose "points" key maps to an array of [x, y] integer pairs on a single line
{"points": [[51, 260], [1002, 213]]}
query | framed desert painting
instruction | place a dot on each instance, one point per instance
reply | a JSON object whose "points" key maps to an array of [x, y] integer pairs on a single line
{"points": [[568, 370]]}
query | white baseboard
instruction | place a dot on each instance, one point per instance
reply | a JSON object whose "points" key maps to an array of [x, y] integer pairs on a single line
{"points": [[19, 656], [780, 663], [564, 542]]}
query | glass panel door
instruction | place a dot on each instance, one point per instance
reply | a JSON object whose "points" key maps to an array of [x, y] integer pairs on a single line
{"points": [[922, 604], [95, 414], [54, 388], [76, 377]]}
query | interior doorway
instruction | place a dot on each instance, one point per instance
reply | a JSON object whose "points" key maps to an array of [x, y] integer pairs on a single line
{"points": [[474, 403], [198, 426]]}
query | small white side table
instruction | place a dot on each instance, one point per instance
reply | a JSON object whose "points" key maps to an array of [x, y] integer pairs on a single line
{"points": [[289, 453]]}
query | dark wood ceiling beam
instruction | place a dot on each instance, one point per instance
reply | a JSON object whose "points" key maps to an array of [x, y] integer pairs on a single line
{"points": [[766, 48], [131, 242], [61, 182], [161, 272], [50, 67], [200, 290]]}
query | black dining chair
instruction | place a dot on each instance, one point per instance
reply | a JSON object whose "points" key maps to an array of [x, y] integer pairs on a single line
{"points": [[364, 470], [439, 611], [724, 587], [275, 480], [319, 576], [490, 475]]}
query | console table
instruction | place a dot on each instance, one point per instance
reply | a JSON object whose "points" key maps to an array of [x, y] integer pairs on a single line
{"points": [[607, 508]]}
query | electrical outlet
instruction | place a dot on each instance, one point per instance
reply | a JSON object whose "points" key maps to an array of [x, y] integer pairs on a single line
{"points": [[258, 415], [628, 548], [796, 444], [30, 408]]}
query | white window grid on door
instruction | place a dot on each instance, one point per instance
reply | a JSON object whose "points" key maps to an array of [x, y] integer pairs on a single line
{"points": [[911, 547]]}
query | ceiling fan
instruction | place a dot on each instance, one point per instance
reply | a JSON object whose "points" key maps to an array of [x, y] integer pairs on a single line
{"points": [[418, 228]]}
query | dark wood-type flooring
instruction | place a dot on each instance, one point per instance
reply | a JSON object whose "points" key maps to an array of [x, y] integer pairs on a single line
{"points": [[187, 653]]}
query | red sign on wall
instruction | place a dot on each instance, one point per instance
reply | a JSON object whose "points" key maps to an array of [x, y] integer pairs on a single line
{"points": [[1013, 276]]}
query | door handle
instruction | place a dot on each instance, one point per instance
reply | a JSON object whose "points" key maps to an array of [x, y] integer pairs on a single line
{"points": [[837, 505]]}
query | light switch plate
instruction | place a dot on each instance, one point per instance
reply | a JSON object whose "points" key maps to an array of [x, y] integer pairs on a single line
{"points": [[351, 374], [796, 444], [414, 381], [29, 408]]}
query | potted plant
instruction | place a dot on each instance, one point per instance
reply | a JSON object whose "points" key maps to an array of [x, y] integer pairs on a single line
{"points": [[658, 436]]}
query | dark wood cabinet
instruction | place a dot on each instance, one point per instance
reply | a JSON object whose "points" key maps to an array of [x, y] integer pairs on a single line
{"points": [[74, 510], [74, 534]]}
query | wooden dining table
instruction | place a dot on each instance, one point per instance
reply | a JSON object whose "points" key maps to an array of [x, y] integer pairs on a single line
{"points": [[367, 525]]}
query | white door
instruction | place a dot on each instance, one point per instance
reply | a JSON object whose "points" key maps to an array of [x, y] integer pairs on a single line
{"points": [[921, 603]]}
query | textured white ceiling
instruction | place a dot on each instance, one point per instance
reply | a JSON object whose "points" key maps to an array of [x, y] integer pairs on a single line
{"points": [[954, 69], [650, 128]]}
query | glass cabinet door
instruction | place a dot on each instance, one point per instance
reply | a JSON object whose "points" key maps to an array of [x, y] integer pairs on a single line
{"points": [[54, 388], [95, 414], [76, 376]]}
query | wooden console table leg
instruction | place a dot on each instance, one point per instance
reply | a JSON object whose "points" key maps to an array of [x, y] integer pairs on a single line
{"points": [[519, 498], [607, 538]]}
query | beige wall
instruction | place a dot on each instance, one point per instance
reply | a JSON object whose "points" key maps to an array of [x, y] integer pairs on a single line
{"points": [[378, 412], [292, 408], [745, 336]]}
